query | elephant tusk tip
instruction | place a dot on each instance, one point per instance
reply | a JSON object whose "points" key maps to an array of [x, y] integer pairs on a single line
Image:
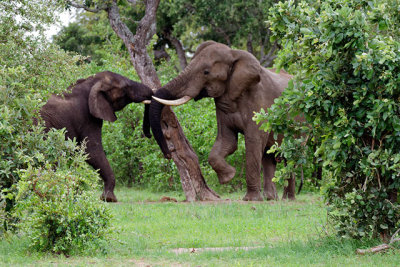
{"points": [[176, 102]]}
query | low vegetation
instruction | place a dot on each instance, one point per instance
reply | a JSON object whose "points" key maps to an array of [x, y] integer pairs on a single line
{"points": [[149, 232]]}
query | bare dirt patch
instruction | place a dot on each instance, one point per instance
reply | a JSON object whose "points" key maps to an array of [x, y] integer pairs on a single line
{"points": [[166, 199], [178, 251]]}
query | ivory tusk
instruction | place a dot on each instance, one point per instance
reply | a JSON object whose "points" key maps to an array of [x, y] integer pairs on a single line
{"points": [[177, 102], [146, 101]]}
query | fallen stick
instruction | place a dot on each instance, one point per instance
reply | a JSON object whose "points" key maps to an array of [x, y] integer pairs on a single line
{"points": [[380, 247], [373, 249]]}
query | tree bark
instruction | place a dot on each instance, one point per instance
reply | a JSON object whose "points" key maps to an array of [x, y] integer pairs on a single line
{"points": [[185, 158], [268, 59]]}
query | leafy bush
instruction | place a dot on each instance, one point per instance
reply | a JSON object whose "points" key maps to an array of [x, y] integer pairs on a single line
{"points": [[345, 57], [59, 208]]}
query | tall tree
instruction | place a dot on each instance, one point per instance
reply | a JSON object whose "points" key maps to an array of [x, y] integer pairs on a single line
{"points": [[185, 158]]}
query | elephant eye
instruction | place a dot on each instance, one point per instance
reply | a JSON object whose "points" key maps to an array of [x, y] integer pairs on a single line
{"points": [[206, 72]]}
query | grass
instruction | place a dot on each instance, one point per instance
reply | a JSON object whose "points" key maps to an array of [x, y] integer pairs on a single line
{"points": [[147, 232]]}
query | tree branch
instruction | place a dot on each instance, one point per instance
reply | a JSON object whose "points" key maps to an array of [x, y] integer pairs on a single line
{"points": [[133, 2], [267, 59], [373, 249], [147, 25], [380, 247], [222, 32], [94, 10], [179, 50], [117, 25], [249, 43]]}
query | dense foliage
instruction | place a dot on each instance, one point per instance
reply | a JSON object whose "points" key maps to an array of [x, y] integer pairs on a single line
{"points": [[56, 205], [237, 23], [345, 55]]}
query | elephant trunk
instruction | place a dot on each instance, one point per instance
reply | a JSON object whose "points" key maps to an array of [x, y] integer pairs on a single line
{"points": [[170, 91], [146, 121], [155, 120]]}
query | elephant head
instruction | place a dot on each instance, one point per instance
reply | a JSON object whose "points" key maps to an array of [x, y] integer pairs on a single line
{"points": [[215, 71], [111, 92]]}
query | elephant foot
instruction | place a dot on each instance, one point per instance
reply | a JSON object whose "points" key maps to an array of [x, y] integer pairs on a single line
{"points": [[270, 195], [226, 176], [253, 196], [108, 197], [287, 196]]}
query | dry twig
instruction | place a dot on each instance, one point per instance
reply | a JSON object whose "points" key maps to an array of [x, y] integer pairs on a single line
{"points": [[380, 247]]}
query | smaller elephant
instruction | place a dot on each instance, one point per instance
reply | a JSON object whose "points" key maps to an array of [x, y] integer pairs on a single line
{"points": [[83, 108]]}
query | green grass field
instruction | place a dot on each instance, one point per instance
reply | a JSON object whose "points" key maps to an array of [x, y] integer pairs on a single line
{"points": [[228, 233]]}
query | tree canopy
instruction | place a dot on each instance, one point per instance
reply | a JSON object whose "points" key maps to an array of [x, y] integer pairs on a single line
{"points": [[182, 25]]}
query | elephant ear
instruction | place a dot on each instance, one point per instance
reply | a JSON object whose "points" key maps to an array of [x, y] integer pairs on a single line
{"points": [[245, 73], [99, 106]]}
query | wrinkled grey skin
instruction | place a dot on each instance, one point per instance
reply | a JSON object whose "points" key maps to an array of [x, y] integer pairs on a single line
{"points": [[239, 86], [82, 110]]}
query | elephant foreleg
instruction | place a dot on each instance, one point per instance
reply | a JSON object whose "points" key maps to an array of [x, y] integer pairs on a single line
{"points": [[225, 144], [97, 159], [253, 169], [269, 166]]}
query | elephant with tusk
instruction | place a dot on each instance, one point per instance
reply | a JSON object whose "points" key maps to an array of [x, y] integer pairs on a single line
{"points": [[239, 86]]}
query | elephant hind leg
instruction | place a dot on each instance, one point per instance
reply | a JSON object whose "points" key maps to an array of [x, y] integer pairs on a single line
{"points": [[253, 168], [269, 166], [290, 189]]}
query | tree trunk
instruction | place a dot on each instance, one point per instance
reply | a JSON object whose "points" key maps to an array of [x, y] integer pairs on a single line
{"points": [[185, 158]]}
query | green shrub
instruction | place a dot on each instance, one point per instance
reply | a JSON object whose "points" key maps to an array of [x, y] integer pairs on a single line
{"points": [[345, 55], [57, 204], [362, 213]]}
